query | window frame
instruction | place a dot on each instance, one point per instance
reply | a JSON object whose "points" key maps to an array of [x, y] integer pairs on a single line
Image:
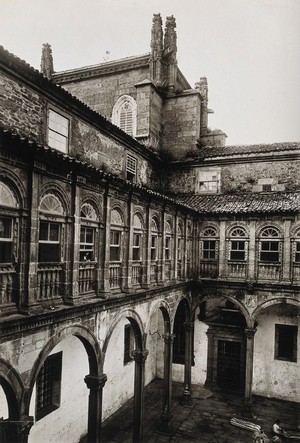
{"points": [[44, 244], [113, 246], [50, 130], [54, 377], [131, 171], [7, 242], [280, 351]]}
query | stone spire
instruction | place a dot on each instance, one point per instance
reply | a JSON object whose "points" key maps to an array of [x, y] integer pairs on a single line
{"points": [[170, 52], [156, 49], [47, 61], [202, 87]]}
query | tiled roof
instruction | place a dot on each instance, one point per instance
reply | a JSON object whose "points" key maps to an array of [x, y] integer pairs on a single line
{"points": [[244, 150], [245, 203]]}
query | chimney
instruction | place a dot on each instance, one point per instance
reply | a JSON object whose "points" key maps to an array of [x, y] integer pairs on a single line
{"points": [[47, 61]]}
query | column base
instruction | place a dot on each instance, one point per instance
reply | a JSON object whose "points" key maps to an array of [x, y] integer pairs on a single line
{"points": [[186, 399], [247, 411], [165, 426]]}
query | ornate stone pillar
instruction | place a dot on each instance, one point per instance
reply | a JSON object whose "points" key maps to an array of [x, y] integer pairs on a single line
{"points": [[222, 249], [165, 418], [187, 393], [249, 371], [138, 404], [95, 384], [15, 431]]}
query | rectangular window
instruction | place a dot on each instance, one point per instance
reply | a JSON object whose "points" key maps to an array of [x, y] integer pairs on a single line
{"points": [[48, 386], [115, 249], [86, 243], [269, 251], [209, 249], [286, 342], [167, 248], [128, 344], [297, 252], [49, 242], [58, 131], [153, 247], [237, 250], [136, 247], [6, 239], [131, 168]]}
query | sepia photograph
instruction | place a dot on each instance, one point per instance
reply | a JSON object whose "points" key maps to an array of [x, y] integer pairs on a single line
{"points": [[149, 221]]}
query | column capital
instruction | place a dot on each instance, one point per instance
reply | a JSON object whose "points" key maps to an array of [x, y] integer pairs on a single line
{"points": [[250, 332], [140, 356], [169, 338], [18, 430], [95, 382], [188, 326]]}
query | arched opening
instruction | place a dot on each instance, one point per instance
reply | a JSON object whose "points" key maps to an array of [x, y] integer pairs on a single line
{"points": [[59, 400], [276, 360], [220, 344]]}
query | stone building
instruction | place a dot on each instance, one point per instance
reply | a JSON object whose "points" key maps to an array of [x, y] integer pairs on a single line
{"points": [[136, 245]]}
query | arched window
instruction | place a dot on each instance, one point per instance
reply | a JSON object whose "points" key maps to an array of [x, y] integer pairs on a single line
{"points": [[124, 114], [7, 223], [154, 239], [87, 232], [168, 229], [296, 248], [180, 241], [209, 244], [115, 235], [270, 246], [50, 230], [137, 238], [238, 245]]}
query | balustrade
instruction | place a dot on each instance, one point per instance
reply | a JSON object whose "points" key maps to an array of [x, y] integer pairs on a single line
{"points": [[50, 280], [114, 274], [7, 280], [209, 269], [167, 270], [154, 272], [296, 271], [87, 277], [269, 271], [237, 269]]}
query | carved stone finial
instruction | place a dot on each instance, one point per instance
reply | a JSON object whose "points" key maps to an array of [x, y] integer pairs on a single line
{"points": [[47, 68], [170, 41], [156, 48]]}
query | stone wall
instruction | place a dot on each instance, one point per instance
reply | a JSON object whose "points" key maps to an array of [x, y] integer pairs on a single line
{"points": [[181, 123]]}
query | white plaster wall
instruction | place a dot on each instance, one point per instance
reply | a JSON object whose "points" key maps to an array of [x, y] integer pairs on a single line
{"points": [[274, 378], [69, 422], [3, 404], [120, 378], [200, 351]]}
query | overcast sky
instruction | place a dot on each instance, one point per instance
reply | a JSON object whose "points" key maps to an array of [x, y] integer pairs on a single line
{"points": [[248, 49]]}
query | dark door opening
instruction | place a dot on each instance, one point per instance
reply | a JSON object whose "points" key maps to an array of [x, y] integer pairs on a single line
{"points": [[229, 365]]}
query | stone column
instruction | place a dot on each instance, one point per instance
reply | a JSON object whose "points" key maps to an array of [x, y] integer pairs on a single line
{"points": [[286, 252], [138, 404], [210, 360], [249, 371], [222, 250], [165, 418], [95, 384], [251, 250], [15, 431], [187, 393], [106, 242]]}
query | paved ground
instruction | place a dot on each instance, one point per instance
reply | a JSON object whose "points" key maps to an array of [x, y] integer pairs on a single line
{"points": [[207, 421]]}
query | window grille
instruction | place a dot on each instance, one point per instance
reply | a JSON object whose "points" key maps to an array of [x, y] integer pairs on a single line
{"points": [[130, 168], [48, 386], [6, 196]]}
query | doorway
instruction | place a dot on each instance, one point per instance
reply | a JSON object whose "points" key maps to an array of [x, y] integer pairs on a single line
{"points": [[229, 365]]}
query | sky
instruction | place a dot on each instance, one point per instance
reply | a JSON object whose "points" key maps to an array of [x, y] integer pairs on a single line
{"points": [[249, 51]]}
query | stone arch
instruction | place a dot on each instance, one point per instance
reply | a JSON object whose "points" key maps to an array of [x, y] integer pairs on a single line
{"points": [[269, 224], [117, 216], [135, 321], [237, 303], [163, 306], [13, 388], [57, 191], [213, 226], [13, 181], [237, 225], [91, 200], [90, 344], [274, 301]]}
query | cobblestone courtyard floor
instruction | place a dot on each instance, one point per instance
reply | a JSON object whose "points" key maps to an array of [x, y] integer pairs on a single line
{"points": [[207, 420]]}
